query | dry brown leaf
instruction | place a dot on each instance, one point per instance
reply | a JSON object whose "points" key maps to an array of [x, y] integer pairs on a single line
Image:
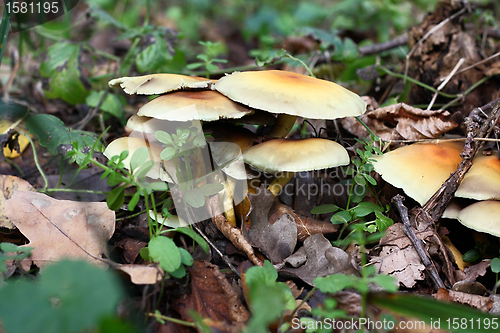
{"points": [[322, 259], [142, 274], [481, 302], [276, 241], [211, 296], [9, 184], [402, 121], [61, 229], [399, 258]]}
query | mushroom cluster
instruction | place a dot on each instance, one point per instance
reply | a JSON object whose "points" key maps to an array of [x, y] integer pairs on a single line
{"points": [[252, 97], [420, 170]]}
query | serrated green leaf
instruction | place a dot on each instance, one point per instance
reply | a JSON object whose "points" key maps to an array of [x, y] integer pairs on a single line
{"points": [[211, 188], [325, 209], [164, 251], [116, 198], [194, 197], [52, 133], [62, 68]]}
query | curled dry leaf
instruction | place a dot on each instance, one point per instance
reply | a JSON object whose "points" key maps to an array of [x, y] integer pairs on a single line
{"points": [[10, 184], [481, 302], [398, 257], [322, 259], [276, 241], [59, 228], [406, 122]]}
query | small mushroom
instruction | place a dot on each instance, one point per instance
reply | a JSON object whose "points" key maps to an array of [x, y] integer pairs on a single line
{"points": [[290, 95], [482, 181], [191, 105], [161, 170], [483, 216], [419, 169], [288, 156], [156, 84]]}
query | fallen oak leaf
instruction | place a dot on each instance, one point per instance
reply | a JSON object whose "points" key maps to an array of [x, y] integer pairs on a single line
{"points": [[8, 185], [59, 228]]}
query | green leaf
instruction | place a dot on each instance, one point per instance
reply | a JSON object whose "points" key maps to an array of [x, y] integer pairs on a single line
{"points": [[153, 56], [133, 202], [157, 186], [138, 158], [364, 208], [359, 179], [370, 179], [111, 104], [495, 265], [180, 272], [449, 315], [164, 251], [389, 283], [164, 137], [382, 221], [336, 282], [341, 217], [116, 198], [144, 169], [52, 133], [194, 197], [167, 153], [62, 68], [186, 257], [471, 255], [197, 238], [70, 296], [211, 188], [325, 209]]}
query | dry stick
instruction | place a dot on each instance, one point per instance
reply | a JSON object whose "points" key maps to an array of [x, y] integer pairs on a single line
{"points": [[445, 82], [417, 243], [474, 65]]}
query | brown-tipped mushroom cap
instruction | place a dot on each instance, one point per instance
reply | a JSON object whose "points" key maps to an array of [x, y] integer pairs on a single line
{"points": [[161, 170], [483, 216], [193, 105], [292, 155], [156, 84], [482, 181], [419, 169], [291, 93]]}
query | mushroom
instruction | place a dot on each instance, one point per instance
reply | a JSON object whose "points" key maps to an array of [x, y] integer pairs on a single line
{"points": [[156, 84], [482, 181], [163, 170], [483, 216], [290, 95], [419, 169], [190, 105], [288, 156]]}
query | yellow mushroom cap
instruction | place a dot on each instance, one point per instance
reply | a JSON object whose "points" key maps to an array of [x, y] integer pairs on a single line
{"points": [[156, 84], [161, 170], [293, 155], [193, 105], [483, 216], [419, 169], [291, 93], [482, 181]]}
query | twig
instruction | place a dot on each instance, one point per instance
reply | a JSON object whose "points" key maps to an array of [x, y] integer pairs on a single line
{"points": [[381, 47], [474, 65], [445, 82], [417, 243]]}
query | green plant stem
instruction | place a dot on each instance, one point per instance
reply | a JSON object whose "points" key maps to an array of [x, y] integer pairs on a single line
{"points": [[173, 320], [418, 83], [471, 88], [146, 201], [302, 63], [37, 164], [50, 190]]}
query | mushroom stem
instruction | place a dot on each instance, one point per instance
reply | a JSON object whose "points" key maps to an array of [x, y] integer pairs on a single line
{"points": [[282, 126], [278, 183], [227, 197]]}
